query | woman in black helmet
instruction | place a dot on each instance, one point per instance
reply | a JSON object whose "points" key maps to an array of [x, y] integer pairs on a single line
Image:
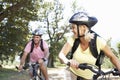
{"points": [[81, 25]]}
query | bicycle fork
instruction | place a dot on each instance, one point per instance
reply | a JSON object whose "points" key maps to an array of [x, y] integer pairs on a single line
{"points": [[36, 75]]}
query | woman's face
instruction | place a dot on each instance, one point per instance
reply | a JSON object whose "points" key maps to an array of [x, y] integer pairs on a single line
{"points": [[82, 29]]}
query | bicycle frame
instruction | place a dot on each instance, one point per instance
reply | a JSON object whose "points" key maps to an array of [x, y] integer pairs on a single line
{"points": [[35, 68]]}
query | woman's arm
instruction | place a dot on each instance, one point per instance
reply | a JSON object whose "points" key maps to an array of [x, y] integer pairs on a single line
{"points": [[64, 51], [108, 52]]}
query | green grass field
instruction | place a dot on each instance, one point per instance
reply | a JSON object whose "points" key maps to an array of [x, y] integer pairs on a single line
{"points": [[12, 74]]}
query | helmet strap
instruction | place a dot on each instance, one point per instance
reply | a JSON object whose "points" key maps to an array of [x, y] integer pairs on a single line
{"points": [[79, 32]]}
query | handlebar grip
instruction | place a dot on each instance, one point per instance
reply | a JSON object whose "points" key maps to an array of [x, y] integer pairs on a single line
{"points": [[26, 66], [116, 72], [68, 64], [83, 66], [16, 67]]}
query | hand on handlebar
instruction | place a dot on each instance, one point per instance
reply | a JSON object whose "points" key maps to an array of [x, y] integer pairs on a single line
{"points": [[20, 68], [73, 63]]}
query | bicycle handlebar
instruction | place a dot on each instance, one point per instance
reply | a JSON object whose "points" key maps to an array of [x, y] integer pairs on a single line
{"points": [[98, 72], [28, 65], [84, 66]]}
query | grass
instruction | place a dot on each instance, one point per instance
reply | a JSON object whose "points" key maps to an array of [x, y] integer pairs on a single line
{"points": [[12, 74]]}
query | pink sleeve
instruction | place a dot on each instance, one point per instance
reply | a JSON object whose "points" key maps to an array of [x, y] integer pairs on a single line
{"points": [[28, 47], [45, 45], [46, 48]]}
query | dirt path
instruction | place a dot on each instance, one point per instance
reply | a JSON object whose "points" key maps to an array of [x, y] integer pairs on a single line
{"points": [[58, 74], [54, 74]]}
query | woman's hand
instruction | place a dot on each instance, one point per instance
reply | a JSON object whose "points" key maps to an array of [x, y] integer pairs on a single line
{"points": [[74, 63]]}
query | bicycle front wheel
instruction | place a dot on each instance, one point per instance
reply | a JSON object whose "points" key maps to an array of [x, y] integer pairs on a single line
{"points": [[38, 78]]}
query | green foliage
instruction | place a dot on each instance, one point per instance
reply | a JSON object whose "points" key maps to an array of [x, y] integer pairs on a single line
{"points": [[107, 63], [55, 48], [51, 14], [14, 31], [118, 45], [12, 74]]}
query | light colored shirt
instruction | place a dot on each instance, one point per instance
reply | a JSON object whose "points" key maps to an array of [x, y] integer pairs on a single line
{"points": [[85, 57], [37, 53]]}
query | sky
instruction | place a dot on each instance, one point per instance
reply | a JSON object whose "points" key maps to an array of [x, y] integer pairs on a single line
{"points": [[108, 14], [106, 11]]}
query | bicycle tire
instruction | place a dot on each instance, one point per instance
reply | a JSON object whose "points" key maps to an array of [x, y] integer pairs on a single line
{"points": [[37, 78], [40, 75]]}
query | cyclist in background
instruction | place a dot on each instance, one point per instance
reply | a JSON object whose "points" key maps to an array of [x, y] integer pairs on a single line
{"points": [[81, 24], [37, 55]]}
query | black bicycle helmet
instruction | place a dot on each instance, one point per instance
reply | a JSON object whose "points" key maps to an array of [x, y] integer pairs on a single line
{"points": [[37, 32], [82, 18]]}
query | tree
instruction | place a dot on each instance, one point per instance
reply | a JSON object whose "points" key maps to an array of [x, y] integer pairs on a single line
{"points": [[118, 46], [51, 15], [14, 18]]}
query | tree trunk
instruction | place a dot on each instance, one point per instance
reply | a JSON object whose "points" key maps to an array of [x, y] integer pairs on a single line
{"points": [[51, 61]]}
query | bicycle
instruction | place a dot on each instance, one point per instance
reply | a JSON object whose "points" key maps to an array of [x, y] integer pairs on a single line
{"points": [[99, 73], [36, 73]]}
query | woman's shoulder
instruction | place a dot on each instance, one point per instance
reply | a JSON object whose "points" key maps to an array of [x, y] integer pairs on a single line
{"points": [[71, 40], [101, 39], [101, 42]]}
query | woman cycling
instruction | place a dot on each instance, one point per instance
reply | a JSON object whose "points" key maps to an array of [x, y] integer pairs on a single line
{"points": [[81, 24]]}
